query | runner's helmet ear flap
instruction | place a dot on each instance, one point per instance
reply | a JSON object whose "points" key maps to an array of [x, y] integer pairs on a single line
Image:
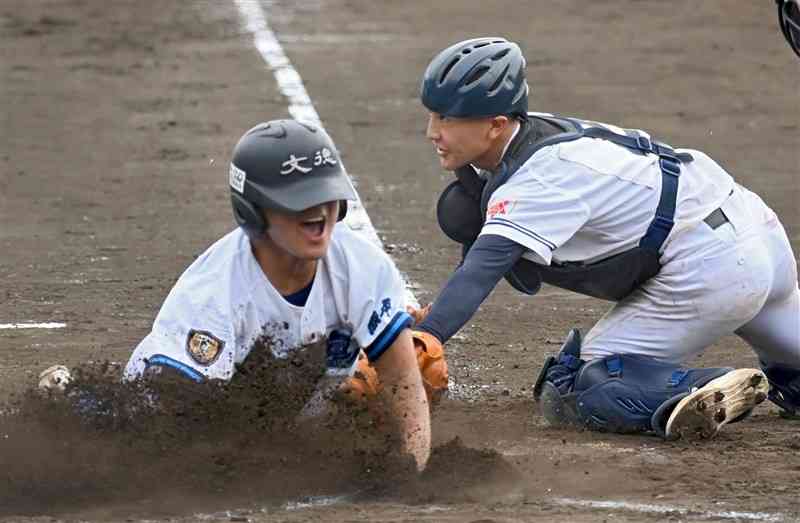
{"points": [[476, 78], [789, 21], [286, 166], [247, 216]]}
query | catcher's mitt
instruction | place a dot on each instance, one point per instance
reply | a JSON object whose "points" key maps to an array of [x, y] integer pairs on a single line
{"points": [[432, 365]]}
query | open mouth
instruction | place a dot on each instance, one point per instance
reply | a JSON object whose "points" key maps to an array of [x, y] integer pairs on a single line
{"points": [[315, 226]]}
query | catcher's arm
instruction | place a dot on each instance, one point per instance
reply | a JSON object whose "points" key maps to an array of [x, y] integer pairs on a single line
{"points": [[404, 397]]}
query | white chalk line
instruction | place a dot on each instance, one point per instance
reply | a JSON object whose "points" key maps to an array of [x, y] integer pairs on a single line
{"points": [[647, 508], [609, 505], [49, 325], [290, 84]]}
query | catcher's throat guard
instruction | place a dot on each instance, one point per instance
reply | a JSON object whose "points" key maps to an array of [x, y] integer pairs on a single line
{"points": [[622, 393], [462, 207]]}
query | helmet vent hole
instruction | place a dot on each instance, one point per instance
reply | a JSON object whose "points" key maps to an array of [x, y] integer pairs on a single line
{"points": [[501, 54], [476, 75], [500, 79], [447, 69], [466, 51], [483, 44], [271, 130]]}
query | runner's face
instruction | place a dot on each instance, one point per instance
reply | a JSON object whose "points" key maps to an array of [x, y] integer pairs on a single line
{"points": [[459, 141], [304, 235]]}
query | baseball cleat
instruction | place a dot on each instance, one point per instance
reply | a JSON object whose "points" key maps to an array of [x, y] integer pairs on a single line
{"points": [[55, 378], [725, 399]]}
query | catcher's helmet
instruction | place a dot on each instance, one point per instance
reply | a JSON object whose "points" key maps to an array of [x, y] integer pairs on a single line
{"points": [[478, 77], [288, 166], [789, 20]]}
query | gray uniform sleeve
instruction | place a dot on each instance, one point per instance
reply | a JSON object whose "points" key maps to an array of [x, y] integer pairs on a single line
{"points": [[488, 260]]}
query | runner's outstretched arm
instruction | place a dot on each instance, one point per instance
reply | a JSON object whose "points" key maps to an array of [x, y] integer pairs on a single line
{"points": [[404, 397]]}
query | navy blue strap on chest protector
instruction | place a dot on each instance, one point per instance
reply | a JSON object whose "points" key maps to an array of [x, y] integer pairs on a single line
{"points": [[670, 163], [462, 209], [615, 277]]}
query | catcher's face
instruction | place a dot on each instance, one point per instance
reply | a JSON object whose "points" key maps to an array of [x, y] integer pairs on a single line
{"points": [[461, 141], [304, 235]]}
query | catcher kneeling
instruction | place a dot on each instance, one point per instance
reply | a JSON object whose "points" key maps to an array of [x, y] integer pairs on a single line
{"points": [[686, 253]]}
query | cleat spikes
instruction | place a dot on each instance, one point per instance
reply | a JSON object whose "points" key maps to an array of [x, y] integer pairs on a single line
{"points": [[728, 398]]}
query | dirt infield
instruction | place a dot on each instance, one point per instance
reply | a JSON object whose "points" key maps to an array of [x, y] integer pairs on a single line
{"points": [[118, 119]]}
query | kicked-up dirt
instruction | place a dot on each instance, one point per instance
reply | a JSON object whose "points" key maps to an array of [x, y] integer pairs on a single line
{"points": [[118, 119]]}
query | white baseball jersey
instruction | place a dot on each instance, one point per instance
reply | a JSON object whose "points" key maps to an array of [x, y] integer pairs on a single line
{"points": [[223, 302], [589, 199]]}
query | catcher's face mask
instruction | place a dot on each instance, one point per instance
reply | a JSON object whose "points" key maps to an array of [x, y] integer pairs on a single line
{"points": [[789, 20]]}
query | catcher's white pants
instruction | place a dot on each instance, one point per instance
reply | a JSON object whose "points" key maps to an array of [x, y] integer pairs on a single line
{"points": [[740, 277]]}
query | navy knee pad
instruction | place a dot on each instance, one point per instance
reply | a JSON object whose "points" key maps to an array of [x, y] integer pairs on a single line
{"points": [[622, 393]]}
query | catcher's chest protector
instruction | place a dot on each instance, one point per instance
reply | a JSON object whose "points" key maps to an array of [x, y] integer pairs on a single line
{"points": [[462, 207]]}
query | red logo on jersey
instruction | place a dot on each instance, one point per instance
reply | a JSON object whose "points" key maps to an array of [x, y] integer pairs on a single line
{"points": [[501, 207]]}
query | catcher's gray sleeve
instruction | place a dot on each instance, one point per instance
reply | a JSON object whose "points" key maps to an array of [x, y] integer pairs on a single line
{"points": [[488, 260]]}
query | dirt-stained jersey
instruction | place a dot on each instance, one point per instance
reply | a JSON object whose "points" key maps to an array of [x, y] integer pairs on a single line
{"points": [[224, 302]]}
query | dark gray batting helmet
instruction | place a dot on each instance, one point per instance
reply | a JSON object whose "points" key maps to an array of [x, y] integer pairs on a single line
{"points": [[288, 166]]}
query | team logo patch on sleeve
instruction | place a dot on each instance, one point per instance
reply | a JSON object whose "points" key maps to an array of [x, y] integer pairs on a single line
{"points": [[203, 347], [501, 207]]}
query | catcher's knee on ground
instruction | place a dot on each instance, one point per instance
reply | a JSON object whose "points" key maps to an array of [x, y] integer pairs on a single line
{"points": [[633, 393]]}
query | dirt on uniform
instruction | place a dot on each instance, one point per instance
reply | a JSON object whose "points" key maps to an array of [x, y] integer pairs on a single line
{"points": [[117, 124]]}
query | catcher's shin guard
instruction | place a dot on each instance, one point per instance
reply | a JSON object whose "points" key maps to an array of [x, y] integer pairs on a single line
{"points": [[620, 393]]}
